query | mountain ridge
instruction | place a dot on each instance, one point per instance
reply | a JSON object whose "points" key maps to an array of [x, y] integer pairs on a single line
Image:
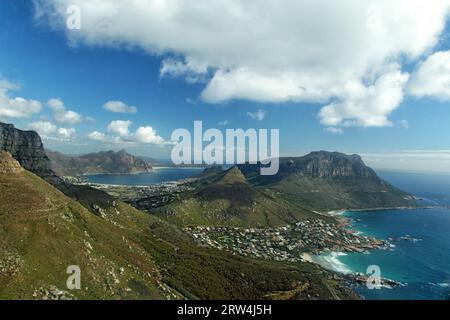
{"points": [[103, 162], [318, 182]]}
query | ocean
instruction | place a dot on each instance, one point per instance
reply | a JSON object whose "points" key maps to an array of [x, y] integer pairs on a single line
{"points": [[420, 258], [158, 175]]}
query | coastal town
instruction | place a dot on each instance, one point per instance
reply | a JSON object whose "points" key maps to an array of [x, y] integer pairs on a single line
{"points": [[287, 243], [144, 198]]}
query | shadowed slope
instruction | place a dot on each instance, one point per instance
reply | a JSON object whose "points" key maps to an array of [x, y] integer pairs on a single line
{"points": [[228, 199]]}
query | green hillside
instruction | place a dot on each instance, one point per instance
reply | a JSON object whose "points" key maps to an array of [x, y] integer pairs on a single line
{"points": [[126, 254], [319, 182], [226, 198]]}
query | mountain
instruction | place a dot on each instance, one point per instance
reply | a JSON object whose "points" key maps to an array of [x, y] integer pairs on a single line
{"points": [[26, 147], [329, 181], [105, 162], [123, 253], [227, 198], [318, 182], [150, 160]]}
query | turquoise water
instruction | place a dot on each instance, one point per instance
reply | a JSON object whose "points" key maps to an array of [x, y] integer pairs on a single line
{"points": [[420, 259], [421, 256], [158, 175]]}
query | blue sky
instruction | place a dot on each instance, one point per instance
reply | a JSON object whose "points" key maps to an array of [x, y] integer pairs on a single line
{"points": [[45, 62]]}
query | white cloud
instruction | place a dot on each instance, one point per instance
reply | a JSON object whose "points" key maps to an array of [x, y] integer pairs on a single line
{"points": [[97, 136], [192, 71], [61, 114], [432, 78], [367, 105], [337, 53], [66, 133], [334, 130], [147, 135], [119, 107], [44, 128], [120, 133], [258, 115], [16, 107], [120, 127]]}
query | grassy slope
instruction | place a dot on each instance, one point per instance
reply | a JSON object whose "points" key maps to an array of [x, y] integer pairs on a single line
{"points": [[227, 199], [339, 193], [42, 232]]}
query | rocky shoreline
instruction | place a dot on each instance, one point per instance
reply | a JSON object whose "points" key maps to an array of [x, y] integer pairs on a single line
{"points": [[286, 243]]}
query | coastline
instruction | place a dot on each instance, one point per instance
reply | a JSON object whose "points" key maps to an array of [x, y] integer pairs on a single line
{"points": [[407, 244], [340, 212]]}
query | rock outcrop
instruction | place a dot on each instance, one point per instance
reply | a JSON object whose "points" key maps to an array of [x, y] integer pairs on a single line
{"points": [[324, 164], [319, 164], [26, 147], [8, 164]]}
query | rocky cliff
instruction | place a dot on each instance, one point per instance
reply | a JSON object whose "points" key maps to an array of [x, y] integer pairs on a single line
{"points": [[330, 181], [26, 147], [324, 164]]}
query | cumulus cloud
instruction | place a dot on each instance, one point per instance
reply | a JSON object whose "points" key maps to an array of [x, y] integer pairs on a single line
{"points": [[97, 136], [44, 128], [432, 78], [66, 133], [119, 132], [258, 115], [16, 107], [50, 131], [367, 105], [120, 127], [119, 107], [147, 135], [193, 71], [61, 114], [337, 53]]}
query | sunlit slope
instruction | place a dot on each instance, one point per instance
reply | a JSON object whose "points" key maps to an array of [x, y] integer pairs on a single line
{"points": [[42, 233], [126, 254]]}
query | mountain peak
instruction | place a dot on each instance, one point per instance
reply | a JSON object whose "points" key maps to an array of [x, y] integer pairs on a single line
{"points": [[234, 175]]}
